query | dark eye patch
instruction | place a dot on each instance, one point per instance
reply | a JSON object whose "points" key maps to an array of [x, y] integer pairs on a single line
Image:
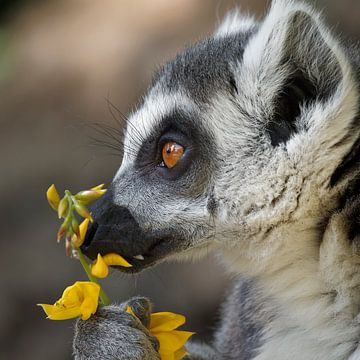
{"points": [[177, 127], [184, 129], [174, 127]]}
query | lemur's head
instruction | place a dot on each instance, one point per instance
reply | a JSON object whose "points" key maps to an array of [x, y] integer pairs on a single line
{"points": [[240, 134]]}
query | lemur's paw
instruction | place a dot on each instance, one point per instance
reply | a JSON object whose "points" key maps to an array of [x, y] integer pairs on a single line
{"points": [[114, 334]]}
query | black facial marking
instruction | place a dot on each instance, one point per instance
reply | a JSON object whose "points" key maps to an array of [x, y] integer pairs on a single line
{"points": [[196, 165], [297, 92]]}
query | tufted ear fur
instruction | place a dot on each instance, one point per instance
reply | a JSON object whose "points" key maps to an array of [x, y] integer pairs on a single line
{"points": [[234, 22], [296, 78]]}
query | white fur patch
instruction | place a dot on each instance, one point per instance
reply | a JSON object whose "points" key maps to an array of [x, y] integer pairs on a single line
{"points": [[234, 23], [156, 106]]}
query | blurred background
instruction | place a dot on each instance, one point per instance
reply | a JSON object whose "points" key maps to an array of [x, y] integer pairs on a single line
{"points": [[61, 62]]}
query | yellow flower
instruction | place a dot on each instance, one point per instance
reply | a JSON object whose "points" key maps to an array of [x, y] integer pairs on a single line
{"points": [[79, 299], [77, 241], [100, 268], [162, 326], [53, 197]]}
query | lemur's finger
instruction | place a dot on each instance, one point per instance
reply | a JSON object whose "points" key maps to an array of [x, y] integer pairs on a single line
{"points": [[141, 307]]}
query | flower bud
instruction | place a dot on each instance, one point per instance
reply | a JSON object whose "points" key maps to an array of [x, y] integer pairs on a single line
{"points": [[75, 227], [75, 241], [62, 231], [78, 239], [82, 210], [87, 196], [53, 197], [63, 206], [68, 247]]}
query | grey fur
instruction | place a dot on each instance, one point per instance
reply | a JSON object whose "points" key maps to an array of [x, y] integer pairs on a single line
{"points": [[268, 114], [200, 73], [113, 334], [239, 334]]}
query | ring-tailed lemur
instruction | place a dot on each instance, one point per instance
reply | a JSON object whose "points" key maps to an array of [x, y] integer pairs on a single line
{"points": [[246, 144]]}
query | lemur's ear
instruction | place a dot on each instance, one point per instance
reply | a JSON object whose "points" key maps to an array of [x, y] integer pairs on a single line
{"points": [[299, 78], [234, 22], [292, 38]]}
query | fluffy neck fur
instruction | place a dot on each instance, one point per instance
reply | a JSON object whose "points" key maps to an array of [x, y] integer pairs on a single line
{"points": [[310, 286]]}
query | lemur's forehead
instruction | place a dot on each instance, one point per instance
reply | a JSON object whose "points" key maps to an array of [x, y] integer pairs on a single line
{"points": [[205, 67]]}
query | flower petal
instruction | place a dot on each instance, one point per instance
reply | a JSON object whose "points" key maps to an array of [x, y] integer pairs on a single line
{"points": [[100, 268], [53, 197], [78, 299], [71, 297], [88, 307], [165, 321], [83, 229], [115, 259], [171, 341], [55, 312], [167, 355], [89, 289], [179, 354]]}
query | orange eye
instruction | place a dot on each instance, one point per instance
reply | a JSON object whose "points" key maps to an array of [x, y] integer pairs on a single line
{"points": [[171, 153]]}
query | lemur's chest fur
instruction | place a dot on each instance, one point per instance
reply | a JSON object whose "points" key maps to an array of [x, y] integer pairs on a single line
{"points": [[302, 305]]}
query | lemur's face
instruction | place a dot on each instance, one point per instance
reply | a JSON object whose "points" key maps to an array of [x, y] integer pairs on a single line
{"points": [[224, 146]]}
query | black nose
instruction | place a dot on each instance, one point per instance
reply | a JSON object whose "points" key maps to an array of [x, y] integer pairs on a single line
{"points": [[97, 210], [113, 231]]}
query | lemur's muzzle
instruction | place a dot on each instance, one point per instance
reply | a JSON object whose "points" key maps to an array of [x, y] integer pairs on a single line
{"points": [[115, 230]]}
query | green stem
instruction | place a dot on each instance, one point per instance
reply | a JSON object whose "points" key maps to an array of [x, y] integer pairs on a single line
{"points": [[103, 297]]}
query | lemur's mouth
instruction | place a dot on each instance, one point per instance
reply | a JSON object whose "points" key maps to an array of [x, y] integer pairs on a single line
{"points": [[115, 230], [156, 252], [140, 251]]}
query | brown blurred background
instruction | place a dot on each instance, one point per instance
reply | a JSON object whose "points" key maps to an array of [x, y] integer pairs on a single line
{"points": [[60, 61]]}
